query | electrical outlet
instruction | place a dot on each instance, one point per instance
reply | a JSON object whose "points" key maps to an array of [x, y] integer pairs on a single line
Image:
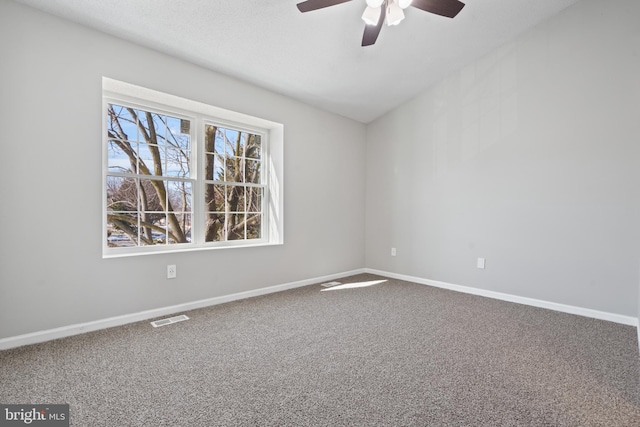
{"points": [[171, 271], [480, 263], [393, 251]]}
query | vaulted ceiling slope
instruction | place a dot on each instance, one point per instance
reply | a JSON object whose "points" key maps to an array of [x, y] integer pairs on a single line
{"points": [[314, 57]]}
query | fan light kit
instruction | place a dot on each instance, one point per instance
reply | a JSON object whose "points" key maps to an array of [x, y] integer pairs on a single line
{"points": [[372, 13], [390, 11]]}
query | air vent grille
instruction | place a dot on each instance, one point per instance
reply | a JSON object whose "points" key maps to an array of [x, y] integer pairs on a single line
{"points": [[169, 321], [330, 284]]}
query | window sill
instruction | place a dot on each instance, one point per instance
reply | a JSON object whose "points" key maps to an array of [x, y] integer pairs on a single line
{"points": [[182, 249]]}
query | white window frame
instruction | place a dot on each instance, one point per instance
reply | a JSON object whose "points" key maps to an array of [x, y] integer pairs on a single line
{"points": [[199, 114]]}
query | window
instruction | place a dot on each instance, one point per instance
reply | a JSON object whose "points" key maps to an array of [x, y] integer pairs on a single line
{"points": [[233, 184], [181, 175], [149, 185]]}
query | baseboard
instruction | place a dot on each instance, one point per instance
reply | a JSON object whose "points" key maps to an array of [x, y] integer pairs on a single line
{"points": [[586, 312], [66, 331]]}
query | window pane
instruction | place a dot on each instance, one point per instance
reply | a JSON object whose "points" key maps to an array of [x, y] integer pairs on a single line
{"points": [[177, 163], [122, 194], [242, 199], [118, 160], [179, 131], [235, 227], [254, 226], [209, 167], [143, 127], [179, 193], [214, 196], [150, 221], [122, 229], [219, 141], [210, 132], [148, 197], [146, 161], [252, 171], [240, 143], [214, 168], [184, 220], [254, 147], [236, 198], [234, 169], [232, 141], [254, 199], [159, 127], [122, 212], [121, 123], [214, 231]]}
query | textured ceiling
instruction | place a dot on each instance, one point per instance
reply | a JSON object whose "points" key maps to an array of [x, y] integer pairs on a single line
{"points": [[314, 57]]}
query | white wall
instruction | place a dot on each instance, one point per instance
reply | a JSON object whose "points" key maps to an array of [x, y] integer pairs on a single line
{"points": [[528, 157], [51, 270]]}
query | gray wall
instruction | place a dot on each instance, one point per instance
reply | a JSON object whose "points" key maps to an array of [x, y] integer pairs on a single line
{"points": [[528, 157], [51, 270]]}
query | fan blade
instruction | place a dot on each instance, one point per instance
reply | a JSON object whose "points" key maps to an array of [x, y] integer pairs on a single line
{"points": [[310, 5], [371, 31], [447, 8]]}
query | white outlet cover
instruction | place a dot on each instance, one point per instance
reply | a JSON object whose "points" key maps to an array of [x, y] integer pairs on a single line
{"points": [[480, 262], [171, 271]]}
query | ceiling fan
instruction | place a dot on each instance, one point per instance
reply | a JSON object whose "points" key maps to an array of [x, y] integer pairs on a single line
{"points": [[391, 11]]}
